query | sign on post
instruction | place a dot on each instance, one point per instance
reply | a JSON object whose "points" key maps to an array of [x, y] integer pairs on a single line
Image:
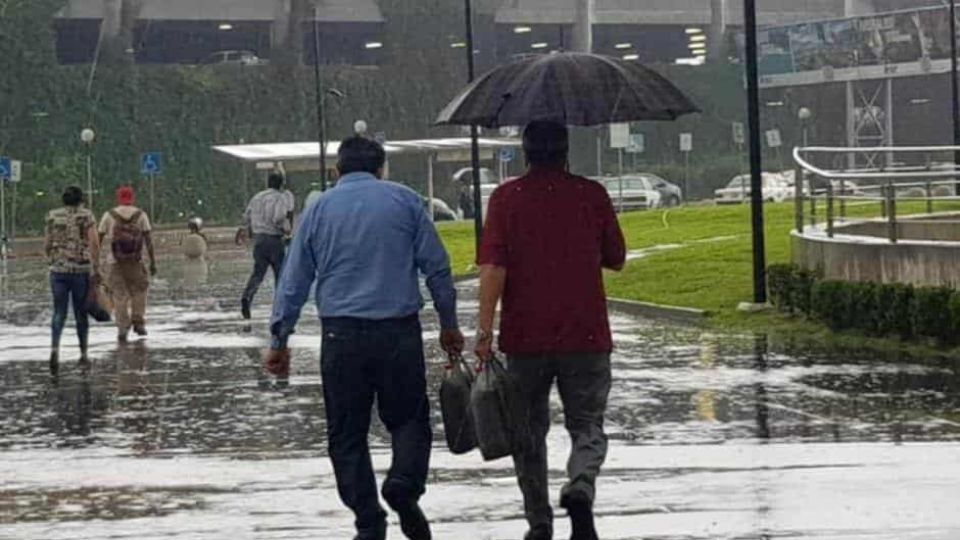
{"points": [[16, 171], [151, 164], [686, 142], [6, 169], [773, 138], [638, 144], [506, 155], [739, 133], [619, 135]]}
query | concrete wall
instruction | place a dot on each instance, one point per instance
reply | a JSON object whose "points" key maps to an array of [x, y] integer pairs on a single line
{"points": [[870, 259], [932, 229]]}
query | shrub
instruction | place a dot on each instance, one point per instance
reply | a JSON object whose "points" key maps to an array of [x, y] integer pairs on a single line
{"points": [[931, 313], [781, 280], [875, 309], [831, 304], [895, 310], [863, 312], [802, 289]]}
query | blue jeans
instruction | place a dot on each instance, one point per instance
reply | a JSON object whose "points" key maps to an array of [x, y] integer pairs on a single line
{"points": [[68, 288], [360, 360]]}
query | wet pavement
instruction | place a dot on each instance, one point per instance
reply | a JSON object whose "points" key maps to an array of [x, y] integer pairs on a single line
{"points": [[712, 436]]}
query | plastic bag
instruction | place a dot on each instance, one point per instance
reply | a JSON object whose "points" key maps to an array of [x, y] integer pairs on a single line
{"points": [[98, 304], [495, 414], [455, 406]]}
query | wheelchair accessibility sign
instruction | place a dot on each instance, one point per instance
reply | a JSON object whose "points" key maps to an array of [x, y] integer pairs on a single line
{"points": [[151, 164]]}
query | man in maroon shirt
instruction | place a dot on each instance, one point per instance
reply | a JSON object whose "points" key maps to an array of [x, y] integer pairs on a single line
{"points": [[547, 239]]}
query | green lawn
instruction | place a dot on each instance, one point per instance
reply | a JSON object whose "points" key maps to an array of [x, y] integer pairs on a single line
{"points": [[702, 255]]}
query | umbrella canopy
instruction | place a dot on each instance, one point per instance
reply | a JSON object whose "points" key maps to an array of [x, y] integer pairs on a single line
{"points": [[568, 88]]}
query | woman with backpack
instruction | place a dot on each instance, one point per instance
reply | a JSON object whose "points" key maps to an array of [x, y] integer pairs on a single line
{"points": [[72, 247], [125, 230]]}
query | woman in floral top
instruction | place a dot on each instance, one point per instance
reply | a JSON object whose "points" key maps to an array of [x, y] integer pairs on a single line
{"points": [[73, 250]]}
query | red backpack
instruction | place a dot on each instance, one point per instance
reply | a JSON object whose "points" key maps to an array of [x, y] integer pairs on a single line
{"points": [[127, 243]]}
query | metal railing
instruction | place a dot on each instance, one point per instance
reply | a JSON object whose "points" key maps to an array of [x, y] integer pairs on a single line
{"points": [[839, 192]]}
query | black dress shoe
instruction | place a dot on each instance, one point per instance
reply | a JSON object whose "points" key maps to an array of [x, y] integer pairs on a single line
{"points": [[580, 509], [377, 532], [539, 532], [412, 521]]}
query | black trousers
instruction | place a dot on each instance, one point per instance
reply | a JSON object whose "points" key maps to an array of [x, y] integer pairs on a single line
{"points": [[362, 360], [268, 253], [584, 382]]}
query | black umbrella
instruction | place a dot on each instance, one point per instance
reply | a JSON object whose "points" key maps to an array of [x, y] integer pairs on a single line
{"points": [[573, 89]]}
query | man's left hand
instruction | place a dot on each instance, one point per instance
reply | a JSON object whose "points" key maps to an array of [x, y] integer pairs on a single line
{"points": [[452, 341], [153, 268]]}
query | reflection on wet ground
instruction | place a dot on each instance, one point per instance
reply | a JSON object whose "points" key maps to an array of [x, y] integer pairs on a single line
{"points": [[713, 436]]}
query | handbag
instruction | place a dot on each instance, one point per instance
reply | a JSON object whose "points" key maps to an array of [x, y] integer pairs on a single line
{"points": [[494, 401], [455, 407], [97, 305]]}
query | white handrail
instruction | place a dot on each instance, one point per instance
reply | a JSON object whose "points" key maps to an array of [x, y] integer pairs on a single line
{"points": [[892, 173]]}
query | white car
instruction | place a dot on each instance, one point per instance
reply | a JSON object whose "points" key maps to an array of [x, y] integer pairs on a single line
{"points": [[239, 58], [631, 193], [775, 189]]}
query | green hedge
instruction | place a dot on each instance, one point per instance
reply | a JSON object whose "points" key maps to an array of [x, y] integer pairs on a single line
{"points": [[874, 309]]}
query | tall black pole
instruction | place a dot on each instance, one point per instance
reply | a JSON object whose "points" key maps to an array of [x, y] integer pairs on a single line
{"points": [[756, 178], [954, 87], [474, 133], [321, 101]]}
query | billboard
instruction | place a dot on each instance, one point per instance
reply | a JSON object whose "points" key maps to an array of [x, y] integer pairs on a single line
{"points": [[882, 45]]}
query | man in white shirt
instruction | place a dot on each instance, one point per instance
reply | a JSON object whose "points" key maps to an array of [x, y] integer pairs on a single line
{"points": [[267, 221]]}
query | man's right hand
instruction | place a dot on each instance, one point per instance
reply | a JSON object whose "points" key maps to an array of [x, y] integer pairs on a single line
{"points": [[277, 362], [452, 341]]}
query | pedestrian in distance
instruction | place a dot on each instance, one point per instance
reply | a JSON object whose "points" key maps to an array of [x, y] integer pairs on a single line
{"points": [[127, 233], [195, 243], [73, 250], [364, 242], [547, 239], [267, 222]]}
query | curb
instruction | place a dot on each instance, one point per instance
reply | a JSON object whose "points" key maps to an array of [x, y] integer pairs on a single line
{"points": [[656, 311]]}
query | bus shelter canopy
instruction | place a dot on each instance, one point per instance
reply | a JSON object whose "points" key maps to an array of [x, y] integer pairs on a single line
{"points": [[305, 156]]}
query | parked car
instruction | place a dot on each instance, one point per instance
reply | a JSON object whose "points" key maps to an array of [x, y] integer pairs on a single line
{"points": [[441, 210], [464, 180], [630, 193], [775, 189], [240, 58]]}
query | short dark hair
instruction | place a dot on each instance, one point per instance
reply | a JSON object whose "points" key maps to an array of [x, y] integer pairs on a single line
{"points": [[275, 180], [359, 154], [72, 196], [546, 143]]}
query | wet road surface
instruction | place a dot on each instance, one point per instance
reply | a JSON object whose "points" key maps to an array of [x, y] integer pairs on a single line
{"points": [[712, 436]]}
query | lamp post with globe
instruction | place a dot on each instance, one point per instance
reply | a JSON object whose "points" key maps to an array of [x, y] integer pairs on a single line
{"points": [[87, 136]]}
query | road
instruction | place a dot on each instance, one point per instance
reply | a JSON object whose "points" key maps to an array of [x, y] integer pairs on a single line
{"points": [[713, 436]]}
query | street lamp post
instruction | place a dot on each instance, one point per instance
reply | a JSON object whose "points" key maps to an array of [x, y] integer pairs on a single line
{"points": [[954, 86], [87, 136], [474, 130], [320, 97], [804, 114], [756, 159]]}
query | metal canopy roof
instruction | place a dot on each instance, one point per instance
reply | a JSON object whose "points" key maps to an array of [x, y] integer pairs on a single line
{"points": [[345, 11], [657, 12], [304, 151]]}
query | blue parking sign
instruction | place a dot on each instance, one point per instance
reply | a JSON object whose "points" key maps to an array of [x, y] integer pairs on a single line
{"points": [[507, 154], [6, 169], [151, 164]]}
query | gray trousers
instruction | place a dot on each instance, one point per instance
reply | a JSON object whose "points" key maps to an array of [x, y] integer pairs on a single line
{"points": [[584, 384], [268, 253]]}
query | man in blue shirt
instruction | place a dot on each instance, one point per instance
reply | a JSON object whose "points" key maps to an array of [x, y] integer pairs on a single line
{"points": [[364, 243]]}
